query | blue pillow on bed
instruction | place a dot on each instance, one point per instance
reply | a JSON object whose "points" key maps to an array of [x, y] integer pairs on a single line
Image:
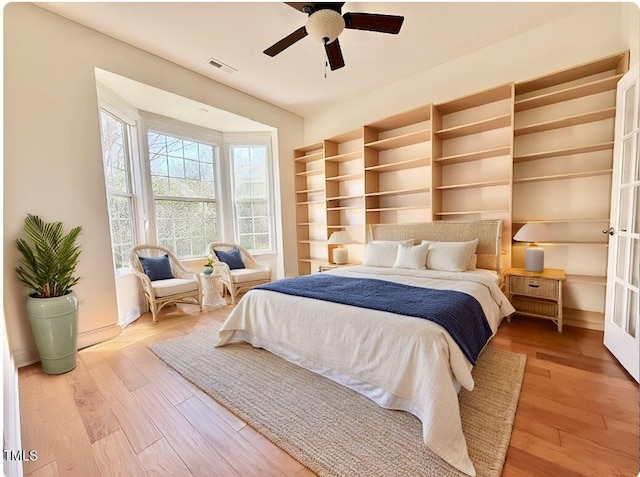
{"points": [[157, 268], [231, 258]]}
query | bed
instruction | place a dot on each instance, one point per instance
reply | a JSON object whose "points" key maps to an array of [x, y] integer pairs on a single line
{"points": [[396, 360]]}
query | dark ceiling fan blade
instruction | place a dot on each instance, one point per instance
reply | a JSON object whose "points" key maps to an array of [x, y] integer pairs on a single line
{"points": [[334, 54], [310, 7], [286, 42], [373, 22], [299, 5]]}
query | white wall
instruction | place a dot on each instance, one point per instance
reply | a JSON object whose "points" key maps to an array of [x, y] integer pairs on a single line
{"points": [[598, 31], [52, 156]]}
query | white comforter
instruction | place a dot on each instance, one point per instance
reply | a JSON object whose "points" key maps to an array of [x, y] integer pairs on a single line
{"points": [[397, 361]]}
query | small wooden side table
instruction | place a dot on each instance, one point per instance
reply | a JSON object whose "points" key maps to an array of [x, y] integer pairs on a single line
{"points": [[323, 267], [536, 294], [210, 295]]}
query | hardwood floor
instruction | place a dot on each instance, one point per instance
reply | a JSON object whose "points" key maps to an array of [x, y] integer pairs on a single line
{"points": [[123, 412]]}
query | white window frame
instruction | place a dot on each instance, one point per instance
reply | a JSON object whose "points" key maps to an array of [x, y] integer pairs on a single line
{"points": [[121, 112], [171, 127], [245, 140], [140, 169]]}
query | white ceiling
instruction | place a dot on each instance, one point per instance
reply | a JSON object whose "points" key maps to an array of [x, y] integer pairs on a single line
{"points": [[189, 34]]}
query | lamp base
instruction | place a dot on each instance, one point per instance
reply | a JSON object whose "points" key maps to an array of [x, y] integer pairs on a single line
{"points": [[340, 255], [534, 259]]}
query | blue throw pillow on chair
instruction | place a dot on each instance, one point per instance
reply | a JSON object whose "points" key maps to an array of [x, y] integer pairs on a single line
{"points": [[231, 258], [157, 268]]}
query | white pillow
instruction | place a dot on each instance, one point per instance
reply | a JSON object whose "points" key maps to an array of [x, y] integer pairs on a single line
{"points": [[414, 258], [380, 254], [450, 256]]}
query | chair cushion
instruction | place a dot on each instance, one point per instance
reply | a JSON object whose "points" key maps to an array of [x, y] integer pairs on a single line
{"points": [[157, 268], [248, 275], [231, 258], [173, 286]]}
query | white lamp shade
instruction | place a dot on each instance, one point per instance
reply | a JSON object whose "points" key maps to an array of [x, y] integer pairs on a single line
{"points": [[534, 232], [325, 23], [341, 238]]}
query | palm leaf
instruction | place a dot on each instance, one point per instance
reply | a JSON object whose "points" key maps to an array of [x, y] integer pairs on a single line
{"points": [[49, 261]]}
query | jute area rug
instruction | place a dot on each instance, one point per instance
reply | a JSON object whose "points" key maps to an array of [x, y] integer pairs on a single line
{"points": [[335, 431]]}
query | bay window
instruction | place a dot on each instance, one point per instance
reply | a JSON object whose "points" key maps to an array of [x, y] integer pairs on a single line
{"points": [[180, 189]]}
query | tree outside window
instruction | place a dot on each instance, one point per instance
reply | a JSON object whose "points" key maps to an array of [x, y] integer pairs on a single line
{"points": [[184, 193], [251, 197], [116, 152]]}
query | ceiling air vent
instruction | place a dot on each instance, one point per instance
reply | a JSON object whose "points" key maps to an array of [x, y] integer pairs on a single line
{"points": [[221, 66]]}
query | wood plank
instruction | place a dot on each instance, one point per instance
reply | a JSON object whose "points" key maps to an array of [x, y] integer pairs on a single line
{"points": [[571, 462], [625, 462], [156, 372], [227, 416], [567, 389], [231, 445], [201, 458], [73, 450], [126, 371], [160, 460], [593, 365], [135, 424], [534, 466], [35, 431], [537, 428], [60, 406], [49, 470], [283, 461], [115, 456], [556, 410], [96, 414]]}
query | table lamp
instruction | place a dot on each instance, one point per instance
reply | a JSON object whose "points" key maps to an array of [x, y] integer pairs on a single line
{"points": [[533, 232], [340, 254]]}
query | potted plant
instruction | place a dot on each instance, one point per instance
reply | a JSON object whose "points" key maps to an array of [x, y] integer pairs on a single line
{"points": [[47, 266], [208, 265]]}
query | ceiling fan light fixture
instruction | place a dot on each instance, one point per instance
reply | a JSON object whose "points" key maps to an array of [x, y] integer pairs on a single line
{"points": [[325, 25]]}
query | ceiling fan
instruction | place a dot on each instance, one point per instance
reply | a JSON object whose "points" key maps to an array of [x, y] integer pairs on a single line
{"points": [[325, 23]]}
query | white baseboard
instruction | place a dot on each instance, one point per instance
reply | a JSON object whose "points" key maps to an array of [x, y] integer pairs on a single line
{"points": [[11, 415], [88, 338]]}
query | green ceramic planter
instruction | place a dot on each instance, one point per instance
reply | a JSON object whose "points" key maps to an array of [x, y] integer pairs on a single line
{"points": [[54, 324]]}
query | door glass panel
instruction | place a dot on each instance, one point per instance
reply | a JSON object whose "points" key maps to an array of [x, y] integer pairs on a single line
{"points": [[627, 161], [632, 318], [635, 227], [623, 212], [618, 310], [629, 103], [637, 174], [622, 263], [635, 261]]}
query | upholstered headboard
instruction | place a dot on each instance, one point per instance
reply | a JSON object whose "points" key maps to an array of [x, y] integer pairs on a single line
{"points": [[488, 232]]}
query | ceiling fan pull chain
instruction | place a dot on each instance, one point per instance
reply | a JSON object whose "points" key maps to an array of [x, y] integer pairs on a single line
{"points": [[326, 58]]}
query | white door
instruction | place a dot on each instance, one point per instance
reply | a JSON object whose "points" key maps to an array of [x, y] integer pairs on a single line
{"points": [[622, 308]]}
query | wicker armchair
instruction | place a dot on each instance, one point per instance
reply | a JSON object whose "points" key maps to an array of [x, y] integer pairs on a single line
{"points": [[242, 279], [185, 287]]}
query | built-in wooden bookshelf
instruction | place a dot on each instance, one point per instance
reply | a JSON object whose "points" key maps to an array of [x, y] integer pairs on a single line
{"points": [[344, 183], [563, 156], [397, 151], [481, 156], [472, 158], [310, 206]]}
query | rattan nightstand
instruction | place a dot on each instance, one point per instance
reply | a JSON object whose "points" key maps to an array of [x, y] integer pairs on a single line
{"points": [[536, 294], [323, 267]]}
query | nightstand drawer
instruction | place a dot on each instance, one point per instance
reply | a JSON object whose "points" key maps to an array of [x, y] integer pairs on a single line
{"points": [[537, 307], [536, 287]]}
